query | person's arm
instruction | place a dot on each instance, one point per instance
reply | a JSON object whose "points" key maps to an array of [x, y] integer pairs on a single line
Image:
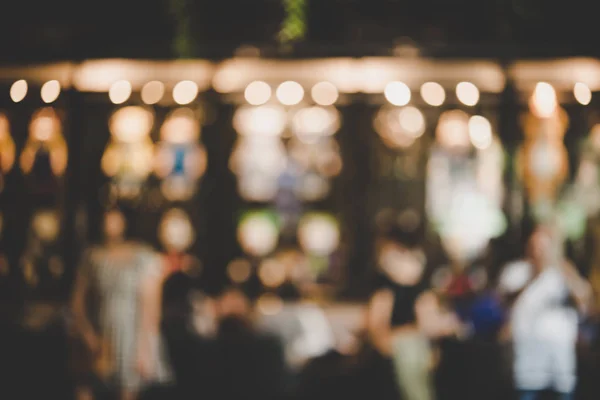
{"points": [[432, 319], [579, 288], [378, 319], [78, 308]]}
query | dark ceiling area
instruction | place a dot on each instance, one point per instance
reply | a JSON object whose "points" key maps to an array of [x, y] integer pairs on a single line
{"points": [[33, 31]]}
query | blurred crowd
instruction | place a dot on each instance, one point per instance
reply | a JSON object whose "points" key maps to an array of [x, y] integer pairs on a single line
{"points": [[141, 328]]}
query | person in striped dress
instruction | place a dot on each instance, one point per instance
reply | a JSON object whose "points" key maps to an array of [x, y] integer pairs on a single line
{"points": [[123, 333]]}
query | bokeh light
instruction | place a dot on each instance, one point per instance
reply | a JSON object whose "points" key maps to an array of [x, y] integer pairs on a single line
{"points": [[50, 91], [257, 93], [397, 93], [467, 93], [185, 92], [119, 92], [480, 132], [543, 102], [18, 90], [325, 93], [412, 121], [153, 92], [433, 93], [582, 93], [290, 93]]}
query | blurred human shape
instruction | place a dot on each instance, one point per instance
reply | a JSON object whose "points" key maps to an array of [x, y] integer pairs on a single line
{"points": [[7, 149], [544, 325], [129, 155], [44, 158], [180, 159]]}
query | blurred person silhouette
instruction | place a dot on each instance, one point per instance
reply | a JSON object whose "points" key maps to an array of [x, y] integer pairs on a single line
{"points": [[188, 327], [122, 332], [249, 364], [546, 293], [404, 314]]}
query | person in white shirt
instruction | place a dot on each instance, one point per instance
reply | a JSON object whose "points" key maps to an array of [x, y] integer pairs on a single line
{"points": [[547, 295]]}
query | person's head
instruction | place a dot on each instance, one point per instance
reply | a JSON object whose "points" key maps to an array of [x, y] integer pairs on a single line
{"points": [[544, 246], [233, 303], [114, 225], [400, 257]]}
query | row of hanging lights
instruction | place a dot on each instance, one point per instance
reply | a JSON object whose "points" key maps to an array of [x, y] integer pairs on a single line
{"points": [[288, 93]]}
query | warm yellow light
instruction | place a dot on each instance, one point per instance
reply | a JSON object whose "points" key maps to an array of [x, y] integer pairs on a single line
{"points": [[257, 93], [433, 94], [467, 93], [120, 92], [50, 91], [397, 93], [152, 92], [18, 90], [543, 102], [412, 121], [325, 93], [290, 93], [185, 92], [480, 132], [582, 93], [267, 120]]}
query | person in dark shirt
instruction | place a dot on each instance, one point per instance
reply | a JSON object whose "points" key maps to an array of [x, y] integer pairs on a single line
{"points": [[404, 315], [248, 364]]}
